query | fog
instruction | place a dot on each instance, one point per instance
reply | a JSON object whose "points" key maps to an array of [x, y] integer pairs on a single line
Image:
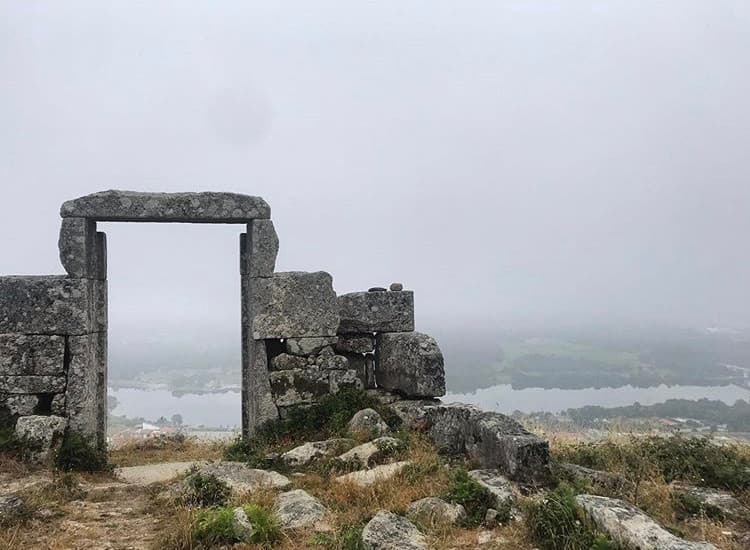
{"points": [[516, 163]]}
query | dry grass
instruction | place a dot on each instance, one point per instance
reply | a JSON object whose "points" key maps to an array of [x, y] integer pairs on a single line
{"points": [[153, 451]]}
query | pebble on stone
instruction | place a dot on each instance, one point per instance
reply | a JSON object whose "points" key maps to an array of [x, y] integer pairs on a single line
{"points": [[397, 287]]}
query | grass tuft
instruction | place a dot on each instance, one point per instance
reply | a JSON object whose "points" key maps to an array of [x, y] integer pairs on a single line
{"points": [[205, 490]]}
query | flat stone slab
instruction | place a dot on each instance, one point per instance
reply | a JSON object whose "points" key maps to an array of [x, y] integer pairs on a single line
{"points": [[134, 206], [242, 478], [363, 478], [154, 473], [368, 312], [311, 451], [629, 526], [372, 452]]}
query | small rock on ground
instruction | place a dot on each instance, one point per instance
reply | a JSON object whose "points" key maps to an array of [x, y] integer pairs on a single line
{"points": [[11, 507], [387, 531], [371, 452], [241, 525], [298, 509], [722, 501], [632, 528], [433, 509], [497, 484], [368, 422], [363, 478], [303, 455]]}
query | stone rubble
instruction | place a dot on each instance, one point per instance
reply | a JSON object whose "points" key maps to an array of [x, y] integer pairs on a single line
{"points": [[298, 510], [435, 510], [372, 452]]}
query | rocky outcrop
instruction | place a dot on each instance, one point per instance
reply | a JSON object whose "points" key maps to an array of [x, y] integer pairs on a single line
{"points": [[629, 526], [494, 440], [410, 363], [713, 501], [298, 510], [387, 531], [435, 510], [372, 452]]}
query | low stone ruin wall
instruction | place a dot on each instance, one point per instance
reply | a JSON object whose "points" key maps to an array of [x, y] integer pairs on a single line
{"points": [[300, 341]]}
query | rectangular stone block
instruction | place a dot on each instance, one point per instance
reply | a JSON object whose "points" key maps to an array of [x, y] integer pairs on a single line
{"points": [[345, 379], [292, 305], [52, 305], [31, 384], [297, 386], [309, 346], [258, 249], [133, 206], [368, 312], [82, 250], [355, 343], [85, 397], [257, 404], [410, 363], [21, 354], [17, 405]]}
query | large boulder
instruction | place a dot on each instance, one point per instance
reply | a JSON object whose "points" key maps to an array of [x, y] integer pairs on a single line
{"points": [[41, 436], [387, 531], [298, 510], [629, 526], [137, 206], [293, 305], [368, 312], [241, 478], [410, 363]]}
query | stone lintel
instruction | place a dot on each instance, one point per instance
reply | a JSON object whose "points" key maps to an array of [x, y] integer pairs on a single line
{"points": [[134, 206]]}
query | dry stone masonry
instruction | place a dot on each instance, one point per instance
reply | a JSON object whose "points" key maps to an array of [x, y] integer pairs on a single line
{"points": [[300, 341]]}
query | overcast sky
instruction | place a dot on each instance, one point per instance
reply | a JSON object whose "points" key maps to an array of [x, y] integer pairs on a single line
{"points": [[510, 161]]}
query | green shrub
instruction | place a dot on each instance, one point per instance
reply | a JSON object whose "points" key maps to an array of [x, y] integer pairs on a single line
{"points": [[205, 490], [556, 522], [348, 537], [78, 453], [214, 526], [692, 459], [687, 505], [475, 498], [326, 419]]}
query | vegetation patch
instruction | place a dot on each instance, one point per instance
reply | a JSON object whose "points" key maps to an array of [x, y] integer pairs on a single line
{"points": [[205, 490], [556, 522], [475, 498], [77, 453], [215, 526]]}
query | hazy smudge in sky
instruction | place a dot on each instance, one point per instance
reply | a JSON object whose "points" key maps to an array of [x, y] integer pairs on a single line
{"points": [[511, 161]]}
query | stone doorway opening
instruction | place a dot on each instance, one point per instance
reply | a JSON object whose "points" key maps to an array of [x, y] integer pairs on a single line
{"points": [[174, 343]]}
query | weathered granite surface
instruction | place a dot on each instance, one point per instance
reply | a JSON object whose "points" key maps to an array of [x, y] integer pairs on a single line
{"points": [[368, 422], [312, 450], [31, 384], [410, 363], [86, 391], [388, 531], [24, 354], [355, 343], [42, 436], [500, 487], [296, 386], [629, 526], [368, 312], [258, 249], [205, 207], [298, 509], [716, 501], [435, 510], [293, 304], [51, 305], [345, 379], [258, 406]]}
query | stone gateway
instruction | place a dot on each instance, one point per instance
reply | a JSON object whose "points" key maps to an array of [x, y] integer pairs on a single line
{"points": [[300, 341]]}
